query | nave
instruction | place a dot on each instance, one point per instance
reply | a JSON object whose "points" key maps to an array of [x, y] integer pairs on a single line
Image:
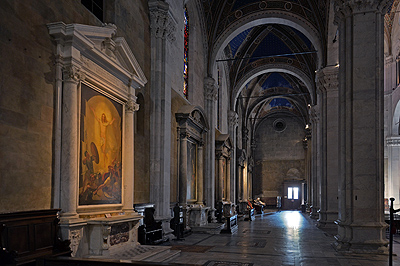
{"points": [[277, 238]]}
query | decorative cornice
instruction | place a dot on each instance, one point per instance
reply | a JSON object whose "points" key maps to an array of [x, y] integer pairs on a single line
{"points": [[162, 25], [345, 8], [210, 89]]}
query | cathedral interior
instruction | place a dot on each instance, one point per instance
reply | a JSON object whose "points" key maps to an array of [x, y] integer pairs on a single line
{"points": [[199, 132]]}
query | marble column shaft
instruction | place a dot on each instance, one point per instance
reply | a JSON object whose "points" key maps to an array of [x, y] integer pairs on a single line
{"points": [[200, 175], [183, 169], [69, 143], [360, 218], [129, 161], [228, 180], [221, 178]]}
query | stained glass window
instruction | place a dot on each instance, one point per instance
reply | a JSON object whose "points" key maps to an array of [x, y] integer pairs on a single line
{"points": [[186, 55]]}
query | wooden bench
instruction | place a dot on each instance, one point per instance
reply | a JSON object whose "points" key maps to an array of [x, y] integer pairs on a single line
{"points": [[26, 236]]}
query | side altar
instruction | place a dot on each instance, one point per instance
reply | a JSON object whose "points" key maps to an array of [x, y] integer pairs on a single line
{"points": [[96, 78]]}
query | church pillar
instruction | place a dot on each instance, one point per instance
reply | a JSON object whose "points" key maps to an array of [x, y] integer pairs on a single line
{"points": [[69, 143], [162, 34], [233, 124], [361, 215], [327, 82], [210, 96], [200, 174], [315, 169], [129, 152]]}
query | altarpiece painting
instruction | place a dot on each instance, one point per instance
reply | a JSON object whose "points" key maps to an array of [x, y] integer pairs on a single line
{"points": [[100, 175]]}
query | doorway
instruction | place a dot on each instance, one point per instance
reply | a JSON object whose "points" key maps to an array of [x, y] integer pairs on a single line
{"points": [[292, 196]]}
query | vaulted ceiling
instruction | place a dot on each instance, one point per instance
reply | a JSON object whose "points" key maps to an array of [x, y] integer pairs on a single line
{"points": [[270, 61]]}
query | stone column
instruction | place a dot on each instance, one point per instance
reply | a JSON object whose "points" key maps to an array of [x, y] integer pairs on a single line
{"points": [[130, 108], [200, 174], [327, 82], [233, 124], [228, 180], [183, 169], [210, 97], [69, 143], [162, 34], [313, 186], [361, 215]]}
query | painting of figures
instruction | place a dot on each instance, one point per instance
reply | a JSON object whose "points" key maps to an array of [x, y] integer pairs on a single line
{"points": [[100, 175]]}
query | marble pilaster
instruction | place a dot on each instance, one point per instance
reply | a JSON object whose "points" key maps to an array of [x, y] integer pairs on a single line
{"points": [[210, 97], [162, 33], [361, 226]]}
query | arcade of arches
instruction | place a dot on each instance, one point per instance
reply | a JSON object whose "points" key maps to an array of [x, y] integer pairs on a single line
{"points": [[110, 106]]}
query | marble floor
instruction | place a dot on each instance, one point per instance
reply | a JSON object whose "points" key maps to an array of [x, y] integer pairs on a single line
{"points": [[278, 238]]}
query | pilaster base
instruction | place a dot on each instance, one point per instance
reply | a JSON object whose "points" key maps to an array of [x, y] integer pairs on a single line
{"points": [[367, 238], [327, 219]]}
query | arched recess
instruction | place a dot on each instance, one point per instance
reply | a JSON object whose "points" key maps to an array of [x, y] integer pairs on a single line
{"points": [[268, 69], [192, 127], [267, 17]]}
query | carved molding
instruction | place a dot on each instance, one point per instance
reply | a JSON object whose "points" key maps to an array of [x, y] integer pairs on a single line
{"points": [[210, 89], [393, 141], [75, 237], [162, 24], [233, 119]]}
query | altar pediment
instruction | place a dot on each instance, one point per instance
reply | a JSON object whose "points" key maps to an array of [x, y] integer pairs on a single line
{"points": [[77, 42]]}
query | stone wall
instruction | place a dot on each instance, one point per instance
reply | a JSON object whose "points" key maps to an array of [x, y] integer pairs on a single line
{"points": [[278, 156], [27, 89]]}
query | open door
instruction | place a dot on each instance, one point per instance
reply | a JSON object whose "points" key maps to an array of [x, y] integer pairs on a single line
{"points": [[292, 196]]}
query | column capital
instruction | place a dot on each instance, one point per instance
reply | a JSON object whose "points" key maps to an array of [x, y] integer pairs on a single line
{"points": [[233, 119], [345, 8], [131, 106], [327, 79], [315, 113], [162, 25], [210, 89], [72, 73]]}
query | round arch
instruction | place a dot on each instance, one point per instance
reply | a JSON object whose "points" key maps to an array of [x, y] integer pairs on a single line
{"points": [[268, 69], [267, 17]]}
